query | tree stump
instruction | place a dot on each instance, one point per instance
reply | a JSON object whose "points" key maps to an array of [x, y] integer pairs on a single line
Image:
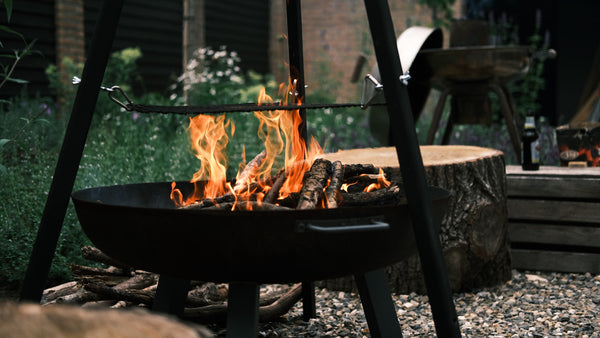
{"points": [[473, 232]]}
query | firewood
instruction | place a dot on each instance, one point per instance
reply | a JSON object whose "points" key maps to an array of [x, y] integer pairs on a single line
{"points": [[314, 183], [249, 172], [134, 296], [207, 294], [272, 194], [266, 313], [94, 254], [209, 202], [390, 195], [351, 170], [359, 183], [82, 270], [291, 201], [61, 290], [108, 280], [247, 205], [81, 296], [281, 306], [140, 280], [332, 193]]}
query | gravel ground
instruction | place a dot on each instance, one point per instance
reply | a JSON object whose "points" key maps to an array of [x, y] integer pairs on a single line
{"points": [[532, 304]]}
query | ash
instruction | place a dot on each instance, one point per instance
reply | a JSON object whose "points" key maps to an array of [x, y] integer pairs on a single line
{"points": [[531, 304]]}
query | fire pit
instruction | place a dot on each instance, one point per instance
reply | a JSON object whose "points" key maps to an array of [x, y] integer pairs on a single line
{"points": [[138, 225], [166, 233]]}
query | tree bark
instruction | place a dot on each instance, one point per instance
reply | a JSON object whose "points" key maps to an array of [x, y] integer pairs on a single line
{"points": [[473, 232], [315, 181]]}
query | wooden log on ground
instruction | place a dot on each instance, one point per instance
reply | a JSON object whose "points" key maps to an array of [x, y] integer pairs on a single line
{"points": [[474, 230], [94, 254], [266, 312]]}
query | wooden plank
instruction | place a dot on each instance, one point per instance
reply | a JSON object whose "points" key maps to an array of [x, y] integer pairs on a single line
{"points": [[556, 182], [555, 261], [554, 234], [553, 210]]}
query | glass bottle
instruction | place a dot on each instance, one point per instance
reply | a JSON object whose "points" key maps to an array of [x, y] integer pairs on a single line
{"points": [[530, 144]]}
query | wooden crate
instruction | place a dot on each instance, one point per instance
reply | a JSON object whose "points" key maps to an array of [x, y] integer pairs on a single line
{"points": [[554, 218]]}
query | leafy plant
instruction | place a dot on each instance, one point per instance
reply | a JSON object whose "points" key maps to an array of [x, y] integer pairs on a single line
{"points": [[441, 11]]}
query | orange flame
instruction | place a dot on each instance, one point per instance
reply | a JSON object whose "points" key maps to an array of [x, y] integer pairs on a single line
{"points": [[279, 130], [208, 142], [381, 182]]}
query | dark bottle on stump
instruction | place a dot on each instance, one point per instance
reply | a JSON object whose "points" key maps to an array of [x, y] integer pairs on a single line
{"points": [[530, 144]]}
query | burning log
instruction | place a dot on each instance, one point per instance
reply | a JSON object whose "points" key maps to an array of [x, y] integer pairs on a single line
{"points": [[391, 194], [246, 205], [249, 172], [352, 170], [332, 193], [271, 196], [314, 183]]}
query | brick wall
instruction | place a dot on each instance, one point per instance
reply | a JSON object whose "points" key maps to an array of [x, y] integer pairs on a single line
{"points": [[69, 30], [335, 33]]}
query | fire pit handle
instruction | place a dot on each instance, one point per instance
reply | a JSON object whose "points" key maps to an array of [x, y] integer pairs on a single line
{"points": [[314, 226]]}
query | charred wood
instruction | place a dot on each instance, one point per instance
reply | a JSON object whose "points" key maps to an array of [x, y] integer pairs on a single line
{"points": [[246, 205], [332, 193], [389, 195], [272, 195], [352, 170], [314, 183]]}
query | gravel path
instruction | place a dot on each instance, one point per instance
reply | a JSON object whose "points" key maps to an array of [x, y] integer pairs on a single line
{"points": [[532, 304]]}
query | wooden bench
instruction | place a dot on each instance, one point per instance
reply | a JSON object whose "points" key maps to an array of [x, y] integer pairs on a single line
{"points": [[554, 218]]}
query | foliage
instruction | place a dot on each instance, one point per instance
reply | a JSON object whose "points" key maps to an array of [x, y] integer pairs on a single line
{"points": [[441, 11], [7, 70], [527, 91]]}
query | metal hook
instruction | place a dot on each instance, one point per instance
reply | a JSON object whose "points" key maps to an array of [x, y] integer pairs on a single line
{"points": [[111, 90], [378, 87], [114, 89], [405, 77]]}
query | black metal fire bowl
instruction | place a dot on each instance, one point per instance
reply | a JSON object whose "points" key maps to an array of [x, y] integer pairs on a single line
{"points": [[138, 224]]}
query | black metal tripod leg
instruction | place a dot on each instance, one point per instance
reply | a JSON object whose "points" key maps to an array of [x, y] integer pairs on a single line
{"points": [[378, 304], [171, 294], [57, 201], [242, 310], [309, 309], [411, 166]]}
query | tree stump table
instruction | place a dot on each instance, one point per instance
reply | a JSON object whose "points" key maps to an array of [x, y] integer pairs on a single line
{"points": [[473, 232]]}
